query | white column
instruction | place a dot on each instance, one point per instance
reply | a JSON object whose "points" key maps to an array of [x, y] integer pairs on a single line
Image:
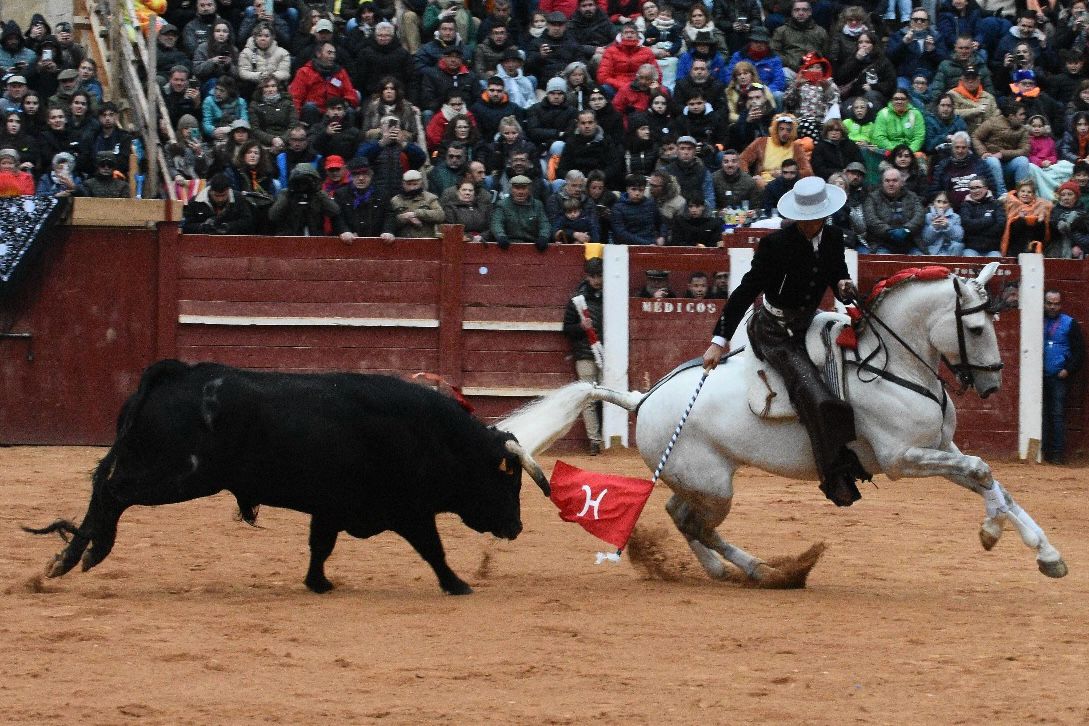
{"points": [[740, 263], [614, 300], [1030, 395]]}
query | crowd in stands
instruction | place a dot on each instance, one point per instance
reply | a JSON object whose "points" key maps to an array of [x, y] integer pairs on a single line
{"points": [[955, 126]]}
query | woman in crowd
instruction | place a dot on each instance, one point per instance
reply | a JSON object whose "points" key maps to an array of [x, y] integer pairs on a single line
{"points": [[843, 43], [467, 211], [81, 122], [390, 100], [1080, 102], [901, 158], [55, 137], [660, 115], [461, 128], [834, 151], [221, 108], [608, 118], [216, 56], [455, 104], [252, 174], [640, 148], [33, 113], [12, 136], [1074, 146], [742, 78], [261, 58], [579, 85], [867, 72], [188, 159], [61, 180], [272, 113], [88, 79], [698, 20], [1028, 221]]}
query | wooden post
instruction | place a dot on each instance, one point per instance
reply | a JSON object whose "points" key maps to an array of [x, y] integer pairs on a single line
{"points": [[451, 316], [166, 314]]}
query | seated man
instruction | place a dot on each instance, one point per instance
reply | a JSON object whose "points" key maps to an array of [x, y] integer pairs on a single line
{"points": [[636, 219], [763, 158], [894, 217], [520, 217], [104, 183], [217, 210]]}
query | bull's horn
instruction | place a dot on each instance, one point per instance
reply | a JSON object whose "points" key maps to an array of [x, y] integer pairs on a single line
{"points": [[531, 466]]}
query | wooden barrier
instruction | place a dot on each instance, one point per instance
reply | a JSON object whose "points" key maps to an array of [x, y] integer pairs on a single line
{"points": [[105, 302]]}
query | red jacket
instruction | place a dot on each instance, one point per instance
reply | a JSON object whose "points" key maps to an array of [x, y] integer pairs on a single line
{"points": [[567, 7], [309, 86], [620, 62], [628, 99], [16, 183]]}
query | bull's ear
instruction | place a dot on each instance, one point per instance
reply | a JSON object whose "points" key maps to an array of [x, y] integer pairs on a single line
{"points": [[503, 466]]}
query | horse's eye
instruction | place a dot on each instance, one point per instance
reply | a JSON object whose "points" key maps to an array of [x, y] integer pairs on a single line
{"points": [[976, 330]]}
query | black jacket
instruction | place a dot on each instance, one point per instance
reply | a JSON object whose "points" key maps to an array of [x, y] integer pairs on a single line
{"points": [[363, 213], [572, 326], [200, 217], [789, 274]]}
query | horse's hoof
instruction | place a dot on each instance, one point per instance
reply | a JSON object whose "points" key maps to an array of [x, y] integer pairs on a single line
{"points": [[989, 534], [1053, 569]]}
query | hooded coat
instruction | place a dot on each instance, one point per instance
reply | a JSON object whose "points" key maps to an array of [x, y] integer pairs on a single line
{"points": [[622, 59], [254, 63], [755, 158]]}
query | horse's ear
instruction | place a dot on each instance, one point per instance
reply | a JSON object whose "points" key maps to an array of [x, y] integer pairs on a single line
{"points": [[987, 273]]}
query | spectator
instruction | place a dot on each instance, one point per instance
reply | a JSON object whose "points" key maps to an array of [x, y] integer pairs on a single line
{"points": [[462, 130], [755, 121], [734, 187], [720, 286], [848, 219], [764, 156], [1069, 225], [894, 217], [603, 200], [1064, 352], [1024, 32], [834, 151], [964, 56], [448, 76], [272, 113], [608, 118], [866, 72], [181, 96], [780, 185], [303, 209], [320, 79], [362, 209], [271, 15], [168, 55], [449, 169], [520, 88], [904, 161], [520, 217], [666, 195], [700, 81], [478, 175], [575, 328], [640, 148], [555, 48], [12, 136], [1035, 101], [1003, 143], [197, 30], [549, 119], [217, 210], [573, 190], [445, 40], [14, 181], [916, 48], [698, 26], [56, 138], [390, 100], [702, 47], [579, 85], [984, 221], [690, 172], [1028, 221], [105, 182], [67, 83], [635, 218], [696, 227], [954, 175], [391, 157], [222, 108], [217, 55], [489, 53], [61, 180], [308, 41], [519, 163], [845, 32], [492, 106], [500, 15], [941, 124], [700, 121], [109, 137], [1064, 85], [899, 123], [942, 231], [414, 212], [14, 91], [635, 96], [812, 95], [466, 210], [187, 159], [660, 117], [337, 175], [589, 148], [697, 286], [381, 59], [769, 66], [736, 19], [454, 105], [335, 134], [622, 59], [1045, 168], [296, 151], [34, 115], [263, 58], [798, 36], [664, 37], [251, 174], [15, 57], [971, 102]]}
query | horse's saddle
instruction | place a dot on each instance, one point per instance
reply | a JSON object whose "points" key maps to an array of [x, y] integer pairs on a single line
{"points": [[766, 391]]}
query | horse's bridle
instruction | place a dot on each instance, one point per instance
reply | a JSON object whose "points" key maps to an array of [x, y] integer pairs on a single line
{"points": [[964, 371]]}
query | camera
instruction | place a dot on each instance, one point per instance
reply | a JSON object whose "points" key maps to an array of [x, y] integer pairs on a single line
{"points": [[303, 185]]}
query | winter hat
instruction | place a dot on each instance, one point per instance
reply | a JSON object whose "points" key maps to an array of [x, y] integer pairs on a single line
{"points": [[1069, 186], [556, 84]]}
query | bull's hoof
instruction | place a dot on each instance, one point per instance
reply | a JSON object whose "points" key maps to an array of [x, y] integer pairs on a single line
{"points": [[319, 585], [58, 566], [458, 588], [1053, 569], [989, 534], [91, 558]]}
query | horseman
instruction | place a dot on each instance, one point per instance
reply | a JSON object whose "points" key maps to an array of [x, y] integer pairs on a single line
{"points": [[792, 268]]}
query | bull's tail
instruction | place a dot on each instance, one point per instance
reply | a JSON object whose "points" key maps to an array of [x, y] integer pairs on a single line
{"points": [[539, 424], [63, 527]]}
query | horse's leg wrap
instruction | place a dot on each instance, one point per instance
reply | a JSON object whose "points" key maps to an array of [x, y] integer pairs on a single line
{"points": [[697, 523]]}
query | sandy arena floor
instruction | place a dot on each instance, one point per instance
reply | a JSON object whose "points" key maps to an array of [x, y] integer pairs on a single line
{"points": [[196, 618]]}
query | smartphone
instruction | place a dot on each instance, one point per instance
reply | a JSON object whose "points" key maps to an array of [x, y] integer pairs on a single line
{"points": [[194, 83], [268, 6], [743, 19], [47, 54]]}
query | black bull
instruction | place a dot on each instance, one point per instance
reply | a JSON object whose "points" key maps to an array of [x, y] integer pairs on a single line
{"points": [[359, 453]]}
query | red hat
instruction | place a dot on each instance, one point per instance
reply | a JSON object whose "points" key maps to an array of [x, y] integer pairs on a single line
{"points": [[334, 162], [1072, 186]]}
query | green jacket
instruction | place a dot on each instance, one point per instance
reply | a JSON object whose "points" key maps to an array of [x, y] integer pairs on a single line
{"points": [[513, 222], [890, 129]]}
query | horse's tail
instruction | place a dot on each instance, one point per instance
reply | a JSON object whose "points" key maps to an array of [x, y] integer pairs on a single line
{"points": [[629, 400]]}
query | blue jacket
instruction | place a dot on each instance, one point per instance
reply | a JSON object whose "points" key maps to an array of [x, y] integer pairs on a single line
{"points": [[637, 224], [770, 70], [1062, 345], [910, 57]]}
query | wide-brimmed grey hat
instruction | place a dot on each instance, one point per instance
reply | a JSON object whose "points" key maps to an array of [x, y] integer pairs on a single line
{"points": [[811, 198]]}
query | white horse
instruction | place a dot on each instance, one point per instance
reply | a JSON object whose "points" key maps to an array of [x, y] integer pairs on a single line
{"points": [[904, 421]]}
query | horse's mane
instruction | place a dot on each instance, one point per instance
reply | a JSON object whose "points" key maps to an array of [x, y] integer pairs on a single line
{"points": [[900, 279]]}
